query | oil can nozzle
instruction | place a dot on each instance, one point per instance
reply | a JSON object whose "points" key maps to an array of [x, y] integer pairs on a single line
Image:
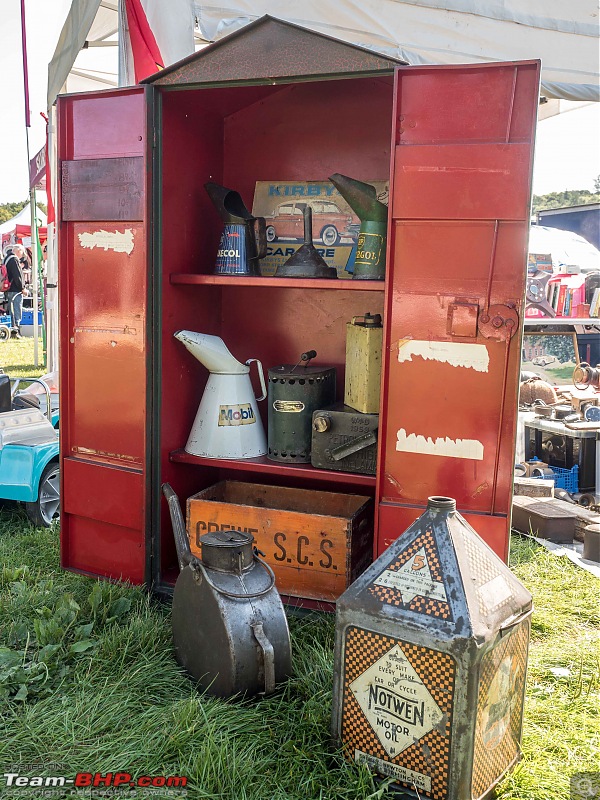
{"points": [[229, 204], [182, 545], [361, 197]]}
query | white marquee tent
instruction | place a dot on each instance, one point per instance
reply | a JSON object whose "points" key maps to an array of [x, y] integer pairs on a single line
{"points": [[563, 35], [21, 223], [93, 51]]}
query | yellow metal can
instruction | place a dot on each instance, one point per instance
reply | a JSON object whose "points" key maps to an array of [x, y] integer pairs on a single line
{"points": [[364, 339]]}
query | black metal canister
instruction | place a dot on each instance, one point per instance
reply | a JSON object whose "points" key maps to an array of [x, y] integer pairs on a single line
{"points": [[294, 392]]}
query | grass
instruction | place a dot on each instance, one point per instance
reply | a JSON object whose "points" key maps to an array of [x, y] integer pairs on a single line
{"points": [[16, 358], [89, 684]]}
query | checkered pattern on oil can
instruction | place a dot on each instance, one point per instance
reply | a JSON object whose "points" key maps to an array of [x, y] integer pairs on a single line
{"points": [[431, 754], [420, 604], [482, 568], [490, 763]]}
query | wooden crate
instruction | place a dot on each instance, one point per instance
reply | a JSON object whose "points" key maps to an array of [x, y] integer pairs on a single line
{"points": [[317, 543], [585, 517], [546, 519], [533, 487]]}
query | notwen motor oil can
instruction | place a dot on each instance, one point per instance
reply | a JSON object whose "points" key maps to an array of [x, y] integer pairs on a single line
{"points": [[430, 661]]}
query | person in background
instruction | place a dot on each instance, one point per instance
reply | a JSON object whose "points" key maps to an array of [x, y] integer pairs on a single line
{"points": [[15, 290]]}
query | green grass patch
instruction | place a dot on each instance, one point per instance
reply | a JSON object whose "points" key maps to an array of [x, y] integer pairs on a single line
{"points": [[16, 358], [89, 682]]}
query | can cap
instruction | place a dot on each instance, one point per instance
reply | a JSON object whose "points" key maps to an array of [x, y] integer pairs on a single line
{"points": [[441, 503]]}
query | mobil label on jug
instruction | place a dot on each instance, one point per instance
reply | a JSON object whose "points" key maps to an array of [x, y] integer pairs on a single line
{"points": [[241, 414]]}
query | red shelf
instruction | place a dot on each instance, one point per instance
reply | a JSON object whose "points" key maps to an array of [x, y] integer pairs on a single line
{"points": [[185, 278], [264, 466]]}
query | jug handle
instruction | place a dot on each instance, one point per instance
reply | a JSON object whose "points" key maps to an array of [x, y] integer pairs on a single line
{"points": [[260, 236], [261, 376]]}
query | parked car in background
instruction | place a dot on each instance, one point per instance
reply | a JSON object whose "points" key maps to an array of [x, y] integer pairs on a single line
{"points": [[330, 223], [569, 251]]}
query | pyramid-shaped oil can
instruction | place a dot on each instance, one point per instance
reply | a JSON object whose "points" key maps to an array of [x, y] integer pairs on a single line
{"points": [[431, 659]]}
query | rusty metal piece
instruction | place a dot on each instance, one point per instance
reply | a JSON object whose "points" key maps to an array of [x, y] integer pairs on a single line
{"points": [[535, 294], [344, 439], [462, 319], [585, 375], [99, 189], [499, 322]]}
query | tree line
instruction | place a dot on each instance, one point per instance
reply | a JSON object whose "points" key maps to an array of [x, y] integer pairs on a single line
{"points": [[541, 202]]}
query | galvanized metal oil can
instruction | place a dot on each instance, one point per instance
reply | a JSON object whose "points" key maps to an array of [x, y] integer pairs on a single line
{"points": [[430, 661], [294, 392], [230, 631]]}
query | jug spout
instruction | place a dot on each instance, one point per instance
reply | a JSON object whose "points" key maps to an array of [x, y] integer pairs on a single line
{"points": [[212, 352], [361, 197], [228, 203]]}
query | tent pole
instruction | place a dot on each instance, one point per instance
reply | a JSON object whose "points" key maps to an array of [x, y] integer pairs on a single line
{"points": [[34, 267]]}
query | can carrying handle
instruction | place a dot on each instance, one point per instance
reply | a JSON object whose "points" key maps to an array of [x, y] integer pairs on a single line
{"points": [[353, 446], [268, 655], [261, 377], [245, 594], [259, 230]]}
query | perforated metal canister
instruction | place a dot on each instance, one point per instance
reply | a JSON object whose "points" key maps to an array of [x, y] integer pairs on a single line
{"points": [[294, 392], [430, 661]]}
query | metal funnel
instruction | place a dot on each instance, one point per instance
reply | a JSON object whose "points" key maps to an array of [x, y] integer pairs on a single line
{"points": [[306, 262]]}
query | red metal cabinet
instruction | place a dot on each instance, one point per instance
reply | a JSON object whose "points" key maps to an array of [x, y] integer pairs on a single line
{"points": [[138, 237]]}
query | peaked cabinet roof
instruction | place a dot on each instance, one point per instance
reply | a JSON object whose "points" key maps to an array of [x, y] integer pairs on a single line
{"points": [[270, 49]]}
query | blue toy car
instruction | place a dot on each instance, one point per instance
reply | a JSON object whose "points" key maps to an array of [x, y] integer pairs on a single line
{"points": [[5, 327], [29, 466]]}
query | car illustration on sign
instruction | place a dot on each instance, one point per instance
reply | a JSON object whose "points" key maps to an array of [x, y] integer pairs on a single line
{"points": [[543, 361], [330, 224]]}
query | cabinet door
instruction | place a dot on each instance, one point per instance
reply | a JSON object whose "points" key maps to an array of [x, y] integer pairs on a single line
{"points": [[103, 247], [460, 194]]}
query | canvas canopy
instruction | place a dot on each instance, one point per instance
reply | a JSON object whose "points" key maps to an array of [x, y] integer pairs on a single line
{"points": [[20, 225], [563, 35]]}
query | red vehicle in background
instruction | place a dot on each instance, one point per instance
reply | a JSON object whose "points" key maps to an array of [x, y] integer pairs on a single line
{"points": [[330, 224]]}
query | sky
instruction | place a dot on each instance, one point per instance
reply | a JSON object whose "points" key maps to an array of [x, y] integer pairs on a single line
{"points": [[567, 146]]}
